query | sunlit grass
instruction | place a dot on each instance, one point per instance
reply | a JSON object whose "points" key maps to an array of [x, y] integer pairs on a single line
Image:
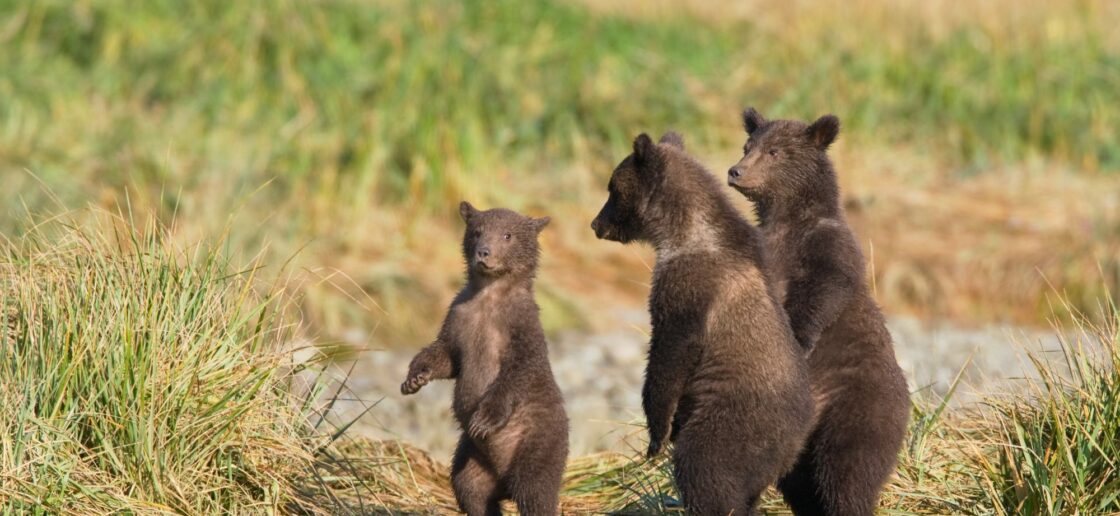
{"points": [[430, 101], [135, 376], [1057, 446]]}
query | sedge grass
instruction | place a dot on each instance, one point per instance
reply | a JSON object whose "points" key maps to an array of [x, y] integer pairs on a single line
{"points": [[1055, 449], [138, 377]]}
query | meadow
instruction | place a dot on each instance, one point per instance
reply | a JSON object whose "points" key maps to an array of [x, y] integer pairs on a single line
{"points": [[145, 377], [208, 202]]}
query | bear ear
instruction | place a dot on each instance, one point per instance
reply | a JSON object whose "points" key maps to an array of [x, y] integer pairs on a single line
{"points": [[673, 139], [644, 149], [752, 120], [645, 153], [823, 132], [466, 211], [539, 224]]}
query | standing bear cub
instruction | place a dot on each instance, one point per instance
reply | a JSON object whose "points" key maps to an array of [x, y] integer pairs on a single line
{"points": [[726, 380], [515, 432], [860, 393]]}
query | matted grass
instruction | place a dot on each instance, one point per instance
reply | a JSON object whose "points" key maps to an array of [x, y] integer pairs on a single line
{"points": [[1051, 448]]}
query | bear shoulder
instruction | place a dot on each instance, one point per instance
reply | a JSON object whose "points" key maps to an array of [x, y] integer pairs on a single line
{"points": [[831, 241]]}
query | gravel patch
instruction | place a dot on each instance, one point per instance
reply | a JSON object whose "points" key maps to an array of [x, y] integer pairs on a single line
{"points": [[601, 377]]}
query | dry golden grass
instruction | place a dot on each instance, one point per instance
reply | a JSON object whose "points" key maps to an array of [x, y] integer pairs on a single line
{"points": [[989, 247], [390, 476]]}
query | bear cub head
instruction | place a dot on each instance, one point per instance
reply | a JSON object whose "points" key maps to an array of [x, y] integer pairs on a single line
{"points": [[782, 158], [500, 242], [631, 205]]}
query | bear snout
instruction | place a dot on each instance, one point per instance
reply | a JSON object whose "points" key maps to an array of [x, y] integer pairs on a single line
{"points": [[597, 227]]}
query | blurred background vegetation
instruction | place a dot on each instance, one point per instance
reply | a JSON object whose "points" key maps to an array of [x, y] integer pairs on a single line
{"points": [[979, 154]]}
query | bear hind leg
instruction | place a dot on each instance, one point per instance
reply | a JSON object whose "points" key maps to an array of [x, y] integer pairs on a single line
{"points": [[474, 482], [707, 489], [536, 475]]}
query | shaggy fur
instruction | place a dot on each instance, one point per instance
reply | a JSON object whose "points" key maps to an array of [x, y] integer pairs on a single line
{"points": [[726, 381], [859, 390], [515, 432]]}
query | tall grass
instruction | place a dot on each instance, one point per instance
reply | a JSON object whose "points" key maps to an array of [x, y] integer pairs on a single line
{"points": [[138, 377], [1057, 447]]}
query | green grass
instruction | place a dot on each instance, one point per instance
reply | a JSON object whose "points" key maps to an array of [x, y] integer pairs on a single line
{"points": [[135, 376], [366, 102], [352, 128], [1058, 446]]}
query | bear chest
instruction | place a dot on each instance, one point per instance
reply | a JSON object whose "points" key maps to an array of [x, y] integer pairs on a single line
{"points": [[480, 342]]}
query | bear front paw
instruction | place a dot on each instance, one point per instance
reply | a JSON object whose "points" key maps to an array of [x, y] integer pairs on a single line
{"points": [[415, 381]]}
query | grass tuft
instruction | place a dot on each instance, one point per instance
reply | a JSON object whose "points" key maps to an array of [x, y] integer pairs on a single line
{"points": [[1056, 449], [135, 376]]}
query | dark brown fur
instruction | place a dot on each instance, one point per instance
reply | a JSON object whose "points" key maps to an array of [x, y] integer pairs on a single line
{"points": [[859, 390], [515, 432], [726, 381]]}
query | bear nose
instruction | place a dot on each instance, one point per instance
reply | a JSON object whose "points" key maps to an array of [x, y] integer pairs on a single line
{"points": [[733, 172], [595, 224], [483, 252]]}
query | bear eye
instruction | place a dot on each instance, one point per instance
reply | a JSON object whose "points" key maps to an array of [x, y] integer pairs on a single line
{"points": [[476, 233], [507, 236], [773, 152]]}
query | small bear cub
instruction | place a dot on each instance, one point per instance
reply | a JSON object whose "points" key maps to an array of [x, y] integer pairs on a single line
{"points": [[726, 380], [861, 399], [515, 431]]}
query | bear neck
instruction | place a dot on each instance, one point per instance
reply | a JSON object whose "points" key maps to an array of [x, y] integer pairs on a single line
{"points": [[509, 281], [691, 221], [817, 198]]}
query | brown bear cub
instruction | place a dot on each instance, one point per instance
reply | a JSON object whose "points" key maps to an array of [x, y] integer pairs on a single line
{"points": [[860, 394], [726, 380], [515, 432]]}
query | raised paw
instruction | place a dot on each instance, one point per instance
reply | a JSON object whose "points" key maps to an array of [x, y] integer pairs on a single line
{"points": [[415, 381], [491, 416]]}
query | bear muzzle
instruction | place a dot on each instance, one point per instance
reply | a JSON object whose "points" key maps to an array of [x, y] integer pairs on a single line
{"points": [[597, 227]]}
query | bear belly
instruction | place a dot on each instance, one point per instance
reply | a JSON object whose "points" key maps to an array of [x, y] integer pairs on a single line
{"points": [[480, 356]]}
